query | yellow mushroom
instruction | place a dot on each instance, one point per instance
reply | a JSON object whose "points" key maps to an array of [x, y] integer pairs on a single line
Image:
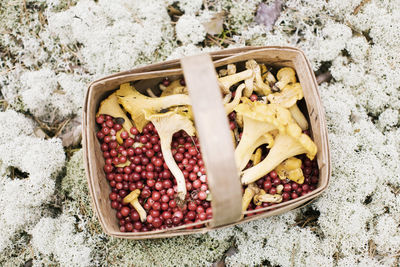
{"points": [[259, 198], [285, 76], [132, 198], [227, 81], [287, 143], [174, 88], [229, 107], [291, 169], [230, 69], [279, 189], [260, 87], [126, 163], [287, 98], [167, 124], [250, 191], [243, 159], [257, 156], [119, 138], [269, 78], [110, 106], [135, 103]]}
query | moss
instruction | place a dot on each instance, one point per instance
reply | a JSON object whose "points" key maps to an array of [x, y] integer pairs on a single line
{"points": [[198, 250]]}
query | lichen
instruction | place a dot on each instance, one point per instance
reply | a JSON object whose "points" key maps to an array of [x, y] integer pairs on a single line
{"points": [[51, 49]]}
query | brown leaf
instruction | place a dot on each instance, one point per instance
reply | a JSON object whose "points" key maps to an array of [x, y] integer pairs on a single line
{"points": [[268, 14], [72, 133], [215, 25]]}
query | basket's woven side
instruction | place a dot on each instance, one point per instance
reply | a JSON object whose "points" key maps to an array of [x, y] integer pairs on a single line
{"points": [[215, 138]]}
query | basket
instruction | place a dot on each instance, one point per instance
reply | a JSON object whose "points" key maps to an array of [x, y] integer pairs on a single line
{"points": [[213, 131]]}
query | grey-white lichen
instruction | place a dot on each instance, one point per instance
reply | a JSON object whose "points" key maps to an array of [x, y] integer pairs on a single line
{"points": [[51, 49]]}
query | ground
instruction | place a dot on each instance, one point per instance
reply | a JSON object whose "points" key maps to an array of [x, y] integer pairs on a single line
{"points": [[51, 49]]}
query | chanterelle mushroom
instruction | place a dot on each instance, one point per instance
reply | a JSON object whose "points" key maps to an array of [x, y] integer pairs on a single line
{"points": [[260, 87], [110, 106], [243, 159], [285, 76], [229, 107], [291, 169], [166, 125], [258, 119], [288, 98], [135, 103], [288, 143], [132, 198], [248, 195], [264, 197], [227, 81], [174, 88]]}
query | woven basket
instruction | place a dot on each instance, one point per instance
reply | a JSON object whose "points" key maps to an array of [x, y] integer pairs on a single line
{"points": [[213, 131]]}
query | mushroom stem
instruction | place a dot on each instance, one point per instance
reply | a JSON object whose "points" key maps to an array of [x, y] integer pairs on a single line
{"points": [[248, 195], [264, 197], [150, 93], [299, 117], [229, 107], [173, 167], [132, 199]]}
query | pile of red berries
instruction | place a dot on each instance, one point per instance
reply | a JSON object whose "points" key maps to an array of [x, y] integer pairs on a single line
{"points": [[144, 169], [148, 172]]}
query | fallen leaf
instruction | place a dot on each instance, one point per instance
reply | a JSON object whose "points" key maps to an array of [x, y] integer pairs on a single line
{"points": [[324, 77], [72, 133], [215, 25], [268, 14], [39, 133]]}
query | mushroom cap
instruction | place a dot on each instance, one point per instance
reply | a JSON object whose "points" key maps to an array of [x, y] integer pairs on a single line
{"points": [[135, 103], [175, 88], [291, 169], [288, 95], [131, 196], [111, 107], [271, 113], [286, 73], [171, 121], [295, 132]]}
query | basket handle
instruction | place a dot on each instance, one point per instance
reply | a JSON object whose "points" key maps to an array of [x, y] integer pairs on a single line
{"points": [[215, 138]]}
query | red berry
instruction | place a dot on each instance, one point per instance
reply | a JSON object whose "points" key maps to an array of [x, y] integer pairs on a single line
{"points": [[202, 195], [285, 196], [178, 157], [178, 214], [287, 188], [273, 174], [129, 142], [267, 186], [109, 123], [155, 196], [253, 97], [108, 168], [232, 125], [124, 135], [117, 127], [172, 203], [276, 181], [134, 131], [191, 215], [100, 135], [273, 191], [196, 184], [100, 119], [125, 211], [164, 198]]}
